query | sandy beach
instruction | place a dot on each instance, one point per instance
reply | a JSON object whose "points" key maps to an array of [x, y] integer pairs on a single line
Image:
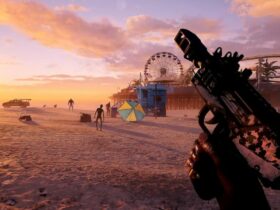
{"points": [[57, 162]]}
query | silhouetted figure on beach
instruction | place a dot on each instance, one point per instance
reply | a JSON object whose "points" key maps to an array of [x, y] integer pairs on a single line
{"points": [[156, 111], [108, 109], [71, 104], [100, 114]]}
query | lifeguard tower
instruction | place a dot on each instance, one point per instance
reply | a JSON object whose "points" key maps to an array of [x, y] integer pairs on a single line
{"points": [[153, 99]]}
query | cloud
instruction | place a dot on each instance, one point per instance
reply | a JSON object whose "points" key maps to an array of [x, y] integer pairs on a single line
{"points": [[62, 29], [256, 8], [127, 45], [57, 89], [141, 24], [260, 34], [126, 50], [259, 37], [133, 60], [263, 29], [8, 41], [71, 8], [85, 88], [55, 77], [121, 4], [8, 61], [162, 29], [150, 35], [206, 28], [52, 65], [68, 80]]}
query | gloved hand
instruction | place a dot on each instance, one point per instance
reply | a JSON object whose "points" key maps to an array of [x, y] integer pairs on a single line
{"points": [[217, 169]]}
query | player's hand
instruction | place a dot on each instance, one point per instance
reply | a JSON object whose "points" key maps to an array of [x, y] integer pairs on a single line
{"points": [[217, 169], [201, 167]]}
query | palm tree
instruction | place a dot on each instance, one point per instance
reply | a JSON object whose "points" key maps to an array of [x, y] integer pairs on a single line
{"points": [[186, 78], [267, 70], [134, 83]]}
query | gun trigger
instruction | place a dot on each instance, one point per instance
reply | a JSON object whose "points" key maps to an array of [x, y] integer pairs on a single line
{"points": [[213, 120]]}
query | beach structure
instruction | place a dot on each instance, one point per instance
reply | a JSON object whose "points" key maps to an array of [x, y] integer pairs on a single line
{"points": [[153, 99], [166, 70], [177, 97], [164, 86], [183, 97]]}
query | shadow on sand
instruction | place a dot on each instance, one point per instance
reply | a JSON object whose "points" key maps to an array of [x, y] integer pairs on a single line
{"points": [[142, 136], [33, 123], [129, 132], [170, 149], [178, 128], [121, 130], [134, 136]]}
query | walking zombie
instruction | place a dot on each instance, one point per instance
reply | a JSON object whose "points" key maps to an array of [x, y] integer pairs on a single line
{"points": [[108, 109], [71, 104], [99, 114]]}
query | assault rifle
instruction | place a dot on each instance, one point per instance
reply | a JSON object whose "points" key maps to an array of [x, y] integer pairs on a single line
{"points": [[238, 109]]}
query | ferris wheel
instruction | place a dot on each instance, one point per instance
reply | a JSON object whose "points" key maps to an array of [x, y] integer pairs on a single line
{"points": [[163, 67]]}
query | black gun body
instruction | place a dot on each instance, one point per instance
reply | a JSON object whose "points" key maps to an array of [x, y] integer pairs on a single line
{"points": [[239, 102], [228, 94]]}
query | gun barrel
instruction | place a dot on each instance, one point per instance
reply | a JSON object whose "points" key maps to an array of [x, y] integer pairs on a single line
{"points": [[192, 46]]}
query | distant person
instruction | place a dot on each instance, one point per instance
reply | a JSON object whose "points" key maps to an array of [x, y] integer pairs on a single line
{"points": [[156, 111], [71, 104], [100, 113], [108, 109]]}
